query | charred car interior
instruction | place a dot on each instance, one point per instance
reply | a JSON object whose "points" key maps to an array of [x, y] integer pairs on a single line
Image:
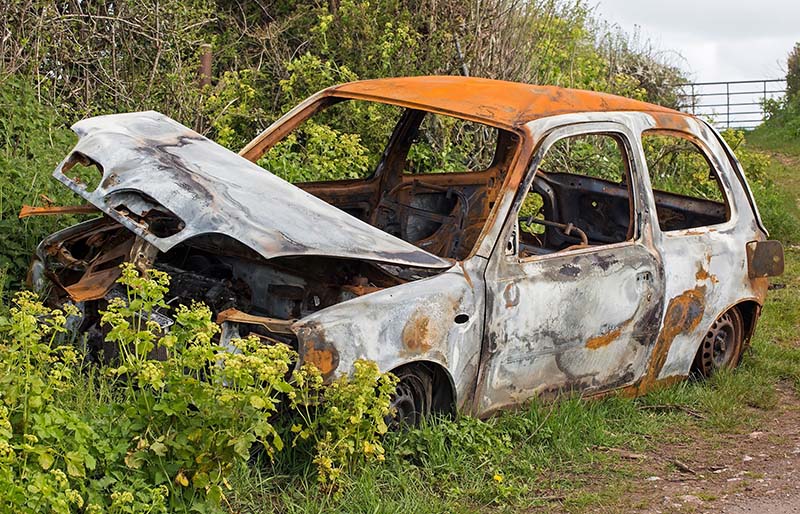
{"points": [[487, 241], [439, 207], [582, 193]]}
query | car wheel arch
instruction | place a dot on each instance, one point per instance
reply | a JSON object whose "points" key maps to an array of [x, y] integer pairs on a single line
{"points": [[748, 310], [444, 393]]}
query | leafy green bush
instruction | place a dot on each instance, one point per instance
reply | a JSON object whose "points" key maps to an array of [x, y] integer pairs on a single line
{"points": [[783, 119], [781, 129], [346, 417], [147, 435], [318, 152], [793, 73], [34, 139]]}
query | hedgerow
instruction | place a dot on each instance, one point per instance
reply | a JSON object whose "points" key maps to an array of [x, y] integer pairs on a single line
{"points": [[63, 61]]}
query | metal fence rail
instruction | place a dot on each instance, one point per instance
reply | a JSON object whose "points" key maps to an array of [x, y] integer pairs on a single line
{"points": [[731, 104]]}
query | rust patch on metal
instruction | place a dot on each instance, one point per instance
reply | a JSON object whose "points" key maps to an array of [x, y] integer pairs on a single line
{"points": [[511, 294], [278, 326], [703, 274], [28, 211], [321, 354], [683, 314], [467, 97], [94, 285], [359, 290], [760, 288], [635, 390], [604, 340], [671, 121], [416, 335], [101, 274], [466, 274], [694, 232]]}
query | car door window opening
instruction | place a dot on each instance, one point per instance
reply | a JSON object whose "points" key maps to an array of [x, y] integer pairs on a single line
{"points": [[580, 197]]}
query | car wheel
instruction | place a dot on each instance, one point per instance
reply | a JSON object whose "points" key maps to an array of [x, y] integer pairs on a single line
{"points": [[722, 345], [411, 402]]}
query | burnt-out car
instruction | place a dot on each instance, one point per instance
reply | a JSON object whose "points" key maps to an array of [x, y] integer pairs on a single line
{"points": [[498, 241]]}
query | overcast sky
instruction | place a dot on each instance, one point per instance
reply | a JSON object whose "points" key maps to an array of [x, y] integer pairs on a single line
{"points": [[719, 39]]}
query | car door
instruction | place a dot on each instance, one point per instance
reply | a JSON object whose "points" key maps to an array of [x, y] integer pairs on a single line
{"points": [[577, 319]]}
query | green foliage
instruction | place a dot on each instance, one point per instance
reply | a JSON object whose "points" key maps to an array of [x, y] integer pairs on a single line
{"points": [[98, 58], [768, 179], [147, 435], [754, 163], [793, 73], [233, 107], [347, 428], [267, 57], [781, 130], [318, 152], [676, 165], [344, 141], [34, 140], [598, 156], [782, 126], [446, 144]]}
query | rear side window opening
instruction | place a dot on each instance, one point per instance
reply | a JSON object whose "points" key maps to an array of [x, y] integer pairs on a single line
{"points": [[443, 144], [686, 185]]}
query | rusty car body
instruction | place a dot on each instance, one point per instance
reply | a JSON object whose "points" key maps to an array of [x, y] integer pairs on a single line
{"points": [[433, 277]]}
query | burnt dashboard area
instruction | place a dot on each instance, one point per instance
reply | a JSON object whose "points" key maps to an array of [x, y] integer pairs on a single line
{"points": [[246, 293]]}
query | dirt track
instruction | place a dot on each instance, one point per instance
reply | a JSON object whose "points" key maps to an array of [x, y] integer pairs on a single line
{"points": [[755, 472]]}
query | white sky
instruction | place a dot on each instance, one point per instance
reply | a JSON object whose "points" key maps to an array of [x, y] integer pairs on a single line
{"points": [[719, 39]]}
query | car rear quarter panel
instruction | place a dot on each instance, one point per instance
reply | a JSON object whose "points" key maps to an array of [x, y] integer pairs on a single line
{"points": [[706, 267]]}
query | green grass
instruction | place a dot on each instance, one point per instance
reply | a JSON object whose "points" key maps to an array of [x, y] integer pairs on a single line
{"points": [[559, 452], [775, 137]]}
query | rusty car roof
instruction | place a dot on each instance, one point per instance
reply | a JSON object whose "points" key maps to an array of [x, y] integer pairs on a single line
{"points": [[497, 102]]}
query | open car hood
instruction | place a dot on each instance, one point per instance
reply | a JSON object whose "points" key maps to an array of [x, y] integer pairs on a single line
{"points": [[153, 164]]}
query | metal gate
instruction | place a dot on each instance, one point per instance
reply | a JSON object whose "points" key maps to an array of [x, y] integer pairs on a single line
{"points": [[733, 104]]}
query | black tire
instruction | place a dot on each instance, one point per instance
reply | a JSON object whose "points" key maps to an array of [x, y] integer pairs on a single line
{"points": [[413, 398], [721, 347]]}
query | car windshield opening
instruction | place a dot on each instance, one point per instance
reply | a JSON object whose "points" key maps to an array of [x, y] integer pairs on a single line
{"points": [[426, 178]]}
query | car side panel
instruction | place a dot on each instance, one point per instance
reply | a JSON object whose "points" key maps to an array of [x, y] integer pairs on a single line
{"points": [[583, 321], [706, 267]]}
